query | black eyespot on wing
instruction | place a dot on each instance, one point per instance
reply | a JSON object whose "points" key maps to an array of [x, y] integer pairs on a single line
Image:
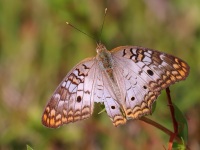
{"points": [[150, 72], [132, 98], [144, 87], [113, 107], [78, 99]]}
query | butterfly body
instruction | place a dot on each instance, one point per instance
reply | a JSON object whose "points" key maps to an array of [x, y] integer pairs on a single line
{"points": [[127, 80], [107, 66]]}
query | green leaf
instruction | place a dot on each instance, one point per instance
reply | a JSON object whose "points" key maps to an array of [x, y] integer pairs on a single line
{"points": [[28, 147], [153, 107], [182, 124], [178, 146]]}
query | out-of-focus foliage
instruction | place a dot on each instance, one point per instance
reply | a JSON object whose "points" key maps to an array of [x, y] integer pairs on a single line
{"points": [[37, 49]]}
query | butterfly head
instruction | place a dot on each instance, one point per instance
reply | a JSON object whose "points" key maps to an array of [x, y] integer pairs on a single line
{"points": [[100, 48]]}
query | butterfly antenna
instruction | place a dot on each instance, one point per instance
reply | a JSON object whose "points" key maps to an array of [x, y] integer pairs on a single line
{"points": [[102, 25], [80, 31]]}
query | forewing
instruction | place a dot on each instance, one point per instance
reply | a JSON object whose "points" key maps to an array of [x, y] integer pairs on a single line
{"points": [[73, 98], [159, 69], [146, 72]]}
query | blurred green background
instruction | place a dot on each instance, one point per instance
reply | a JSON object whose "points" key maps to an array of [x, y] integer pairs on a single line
{"points": [[37, 49]]}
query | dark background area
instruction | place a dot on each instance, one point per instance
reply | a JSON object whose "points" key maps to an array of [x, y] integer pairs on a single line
{"points": [[37, 49]]}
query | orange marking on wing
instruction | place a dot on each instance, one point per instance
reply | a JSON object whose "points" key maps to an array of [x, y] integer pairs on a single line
{"points": [[52, 122]]}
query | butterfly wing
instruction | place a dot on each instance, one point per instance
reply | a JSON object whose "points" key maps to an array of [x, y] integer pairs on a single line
{"points": [[103, 93], [73, 98], [140, 73], [145, 73]]}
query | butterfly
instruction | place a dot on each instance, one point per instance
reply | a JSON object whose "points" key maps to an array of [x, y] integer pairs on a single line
{"points": [[127, 80]]}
